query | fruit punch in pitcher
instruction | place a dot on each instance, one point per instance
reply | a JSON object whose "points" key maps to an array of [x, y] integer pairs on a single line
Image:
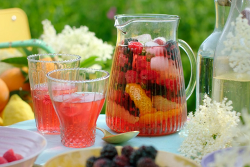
{"points": [[146, 90]]}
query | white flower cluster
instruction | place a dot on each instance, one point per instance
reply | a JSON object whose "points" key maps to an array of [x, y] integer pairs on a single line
{"points": [[212, 127], [237, 155], [79, 41], [237, 46]]}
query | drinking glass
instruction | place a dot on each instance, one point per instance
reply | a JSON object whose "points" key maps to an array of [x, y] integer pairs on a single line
{"points": [[78, 96], [46, 119]]}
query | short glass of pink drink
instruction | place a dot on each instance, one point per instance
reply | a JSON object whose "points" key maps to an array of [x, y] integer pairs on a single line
{"points": [[47, 121], [79, 108]]}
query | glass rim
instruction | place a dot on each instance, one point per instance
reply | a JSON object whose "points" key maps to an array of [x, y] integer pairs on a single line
{"points": [[83, 81], [147, 15], [77, 57]]}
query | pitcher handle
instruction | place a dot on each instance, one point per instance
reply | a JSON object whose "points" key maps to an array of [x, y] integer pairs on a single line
{"points": [[192, 81]]}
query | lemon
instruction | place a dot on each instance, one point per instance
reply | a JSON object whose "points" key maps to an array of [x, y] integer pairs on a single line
{"points": [[1, 121], [16, 110]]}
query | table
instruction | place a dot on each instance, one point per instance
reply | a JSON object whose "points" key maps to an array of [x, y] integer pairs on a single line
{"points": [[168, 143]]}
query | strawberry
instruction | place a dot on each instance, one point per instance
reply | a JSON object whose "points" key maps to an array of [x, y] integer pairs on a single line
{"points": [[3, 160], [9, 155], [135, 47]]}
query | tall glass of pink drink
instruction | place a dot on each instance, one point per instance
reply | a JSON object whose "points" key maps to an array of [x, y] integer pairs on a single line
{"points": [[47, 121], [79, 108]]}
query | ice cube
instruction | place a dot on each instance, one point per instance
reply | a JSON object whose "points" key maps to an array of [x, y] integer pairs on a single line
{"points": [[151, 43], [159, 63], [144, 38]]}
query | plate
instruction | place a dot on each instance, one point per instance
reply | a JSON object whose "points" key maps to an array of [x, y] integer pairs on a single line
{"points": [[77, 158]]}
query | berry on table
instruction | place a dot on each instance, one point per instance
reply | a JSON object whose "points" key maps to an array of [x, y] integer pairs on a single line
{"points": [[103, 162], [120, 161], [146, 162], [109, 151], [90, 161], [127, 151]]}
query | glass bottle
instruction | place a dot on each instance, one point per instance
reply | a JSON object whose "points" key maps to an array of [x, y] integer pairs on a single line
{"points": [[205, 56], [231, 72]]}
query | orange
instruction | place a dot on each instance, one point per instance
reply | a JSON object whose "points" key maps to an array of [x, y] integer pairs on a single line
{"points": [[158, 116], [4, 95], [14, 79], [138, 95]]}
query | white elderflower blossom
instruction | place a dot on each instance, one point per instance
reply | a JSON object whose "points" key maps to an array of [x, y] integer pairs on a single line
{"points": [[79, 41], [237, 46], [210, 128], [239, 154]]}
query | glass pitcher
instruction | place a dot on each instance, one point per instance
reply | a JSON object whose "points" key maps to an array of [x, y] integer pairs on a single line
{"points": [[146, 89], [231, 73]]}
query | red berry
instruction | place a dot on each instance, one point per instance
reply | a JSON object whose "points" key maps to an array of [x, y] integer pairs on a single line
{"points": [[18, 156], [10, 155], [119, 77], [122, 60], [148, 75], [118, 95], [135, 47], [3, 160], [130, 76], [159, 41], [141, 63]]}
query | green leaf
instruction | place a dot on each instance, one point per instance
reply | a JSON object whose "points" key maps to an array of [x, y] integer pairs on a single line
{"points": [[27, 52], [26, 76], [89, 62], [16, 61]]}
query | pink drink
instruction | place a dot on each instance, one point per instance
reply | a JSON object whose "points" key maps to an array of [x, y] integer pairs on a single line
{"points": [[47, 121], [78, 113]]}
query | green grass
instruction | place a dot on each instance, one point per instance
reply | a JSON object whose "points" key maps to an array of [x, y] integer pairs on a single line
{"points": [[197, 19]]}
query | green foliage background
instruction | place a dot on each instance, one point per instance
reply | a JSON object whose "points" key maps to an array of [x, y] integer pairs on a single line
{"points": [[197, 19]]}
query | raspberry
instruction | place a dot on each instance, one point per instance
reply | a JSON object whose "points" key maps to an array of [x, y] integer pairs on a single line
{"points": [[135, 47], [148, 75], [122, 60], [3, 160], [127, 151], [146, 162], [126, 41], [141, 63], [109, 151], [103, 162], [120, 161], [120, 77], [159, 41], [130, 76], [90, 161]]}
